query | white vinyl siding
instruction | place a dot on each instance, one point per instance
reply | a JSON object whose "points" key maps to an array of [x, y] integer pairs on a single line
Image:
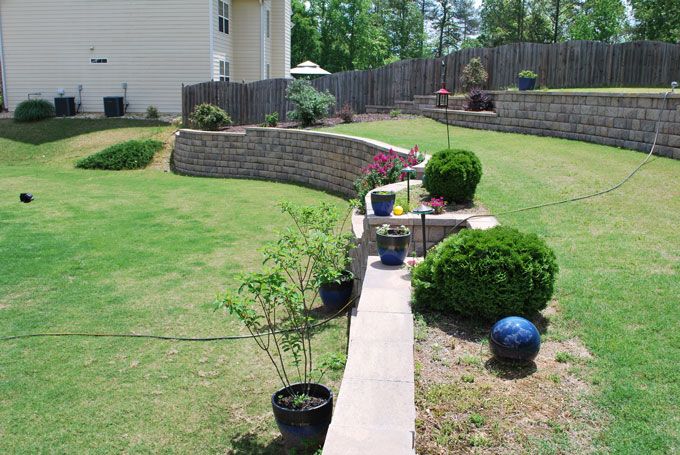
{"points": [[153, 46], [246, 64], [280, 43]]}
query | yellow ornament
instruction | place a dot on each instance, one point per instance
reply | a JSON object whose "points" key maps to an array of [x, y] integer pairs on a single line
{"points": [[398, 210]]}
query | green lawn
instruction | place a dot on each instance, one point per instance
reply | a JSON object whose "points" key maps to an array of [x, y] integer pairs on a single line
{"points": [[610, 90], [132, 252], [619, 257]]}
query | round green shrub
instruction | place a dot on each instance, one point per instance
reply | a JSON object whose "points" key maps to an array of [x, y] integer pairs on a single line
{"points": [[453, 174], [33, 110], [126, 155], [209, 117], [487, 274]]}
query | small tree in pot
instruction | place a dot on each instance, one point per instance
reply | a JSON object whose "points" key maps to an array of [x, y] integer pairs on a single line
{"points": [[275, 306], [526, 80]]}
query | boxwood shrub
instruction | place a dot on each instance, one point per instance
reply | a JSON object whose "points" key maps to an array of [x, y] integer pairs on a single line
{"points": [[33, 110], [453, 175], [487, 274], [126, 155], [209, 117]]}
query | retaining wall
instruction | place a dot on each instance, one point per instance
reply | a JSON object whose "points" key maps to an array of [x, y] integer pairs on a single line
{"points": [[619, 120], [325, 161]]}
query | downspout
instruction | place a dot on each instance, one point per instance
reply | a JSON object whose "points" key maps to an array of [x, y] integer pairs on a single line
{"points": [[4, 70], [211, 8]]}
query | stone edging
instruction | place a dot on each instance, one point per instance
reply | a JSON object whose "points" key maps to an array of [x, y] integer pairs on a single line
{"points": [[325, 161]]}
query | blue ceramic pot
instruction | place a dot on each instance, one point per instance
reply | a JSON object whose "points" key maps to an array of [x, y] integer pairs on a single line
{"points": [[383, 202], [514, 338], [393, 248], [304, 429], [335, 296], [526, 83]]}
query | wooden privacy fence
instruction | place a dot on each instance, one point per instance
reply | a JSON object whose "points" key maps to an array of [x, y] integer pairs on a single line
{"points": [[560, 65]]}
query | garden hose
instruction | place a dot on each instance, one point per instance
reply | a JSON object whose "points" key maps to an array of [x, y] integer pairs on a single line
{"points": [[172, 338]]}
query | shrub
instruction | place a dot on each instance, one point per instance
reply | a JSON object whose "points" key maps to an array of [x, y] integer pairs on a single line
{"points": [[208, 117], [126, 155], [346, 114], [310, 104], [453, 175], [487, 274], [528, 74], [271, 120], [33, 110], [152, 113], [394, 113], [474, 74], [478, 100]]}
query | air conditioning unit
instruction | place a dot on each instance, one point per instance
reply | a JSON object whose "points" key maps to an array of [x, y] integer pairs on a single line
{"points": [[65, 106], [114, 106]]}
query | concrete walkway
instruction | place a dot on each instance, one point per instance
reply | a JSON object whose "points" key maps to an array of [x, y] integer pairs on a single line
{"points": [[375, 412]]}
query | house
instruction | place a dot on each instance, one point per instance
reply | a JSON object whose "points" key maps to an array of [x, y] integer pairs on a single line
{"points": [[143, 49]]}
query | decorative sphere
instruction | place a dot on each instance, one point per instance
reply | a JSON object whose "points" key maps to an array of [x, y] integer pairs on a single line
{"points": [[514, 338], [398, 210]]}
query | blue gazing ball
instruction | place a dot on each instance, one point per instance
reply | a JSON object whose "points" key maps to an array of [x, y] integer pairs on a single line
{"points": [[514, 338]]}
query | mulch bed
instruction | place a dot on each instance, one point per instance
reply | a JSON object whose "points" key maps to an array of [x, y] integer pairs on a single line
{"points": [[327, 122]]}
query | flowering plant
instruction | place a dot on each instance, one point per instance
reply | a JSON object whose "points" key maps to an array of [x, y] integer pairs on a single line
{"points": [[386, 168], [438, 204], [386, 229]]}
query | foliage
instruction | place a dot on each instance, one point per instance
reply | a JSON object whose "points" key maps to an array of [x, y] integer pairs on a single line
{"points": [[135, 154], [278, 300], [209, 117], [478, 100], [437, 203], [453, 174], [152, 113], [388, 230], [528, 74], [487, 274], [385, 169], [33, 110], [656, 20], [271, 120], [346, 114], [599, 20], [394, 113], [310, 104], [474, 74]]}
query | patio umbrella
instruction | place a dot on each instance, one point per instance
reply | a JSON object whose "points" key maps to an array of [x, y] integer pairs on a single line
{"points": [[308, 69]]}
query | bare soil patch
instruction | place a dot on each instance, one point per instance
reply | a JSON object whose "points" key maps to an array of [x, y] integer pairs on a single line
{"points": [[468, 402]]}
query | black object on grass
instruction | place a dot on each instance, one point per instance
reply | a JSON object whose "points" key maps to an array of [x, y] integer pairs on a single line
{"points": [[25, 197]]}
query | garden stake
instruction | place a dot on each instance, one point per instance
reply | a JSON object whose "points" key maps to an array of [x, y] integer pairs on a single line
{"points": [[423, 210]]}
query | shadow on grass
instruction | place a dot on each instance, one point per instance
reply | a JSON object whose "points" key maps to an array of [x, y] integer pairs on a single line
{"points": [[46, 131], [250, 444]]}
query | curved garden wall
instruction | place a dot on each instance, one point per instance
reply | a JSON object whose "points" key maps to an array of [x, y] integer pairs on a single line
{"points": [[325, 161]]}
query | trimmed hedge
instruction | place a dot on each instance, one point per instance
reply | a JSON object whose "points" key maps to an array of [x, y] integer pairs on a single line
{"points": [[487, 274], [126, 155], [33, 110], [209, 117], [453, 174]]}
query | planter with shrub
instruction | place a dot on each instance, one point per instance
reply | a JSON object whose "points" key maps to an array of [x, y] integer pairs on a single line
{"points": [[526, 80], [382, 202], [33, 110], [277, 302], [453, 175], [336, 281], [392, 243], [209, 117], [487, 274], [126, 155]]}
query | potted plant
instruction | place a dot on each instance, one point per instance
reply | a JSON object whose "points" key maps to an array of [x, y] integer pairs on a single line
{"points": [[438, 204], [393, 243], [382, 202], [275, 305], [527, 80]]}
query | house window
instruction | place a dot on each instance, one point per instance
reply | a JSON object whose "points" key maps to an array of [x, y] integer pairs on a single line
{"points": [[99, 60], [266, 76], [224, 71], [223, 16], [268, 22]]}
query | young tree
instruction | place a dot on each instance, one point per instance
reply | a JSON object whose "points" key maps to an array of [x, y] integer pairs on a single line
{"points": [[445, 26], [465, 15], [599, 20], [305, 43], [657, 20]]}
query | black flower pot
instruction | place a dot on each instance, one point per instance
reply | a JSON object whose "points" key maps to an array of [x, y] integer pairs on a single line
{"points": [[393, 248], [304, 429], [526, 83], [383, 202], [336, 295]]}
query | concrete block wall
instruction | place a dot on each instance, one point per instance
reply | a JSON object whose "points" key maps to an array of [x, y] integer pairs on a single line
{"points": [[619, 120], [325, 161]]}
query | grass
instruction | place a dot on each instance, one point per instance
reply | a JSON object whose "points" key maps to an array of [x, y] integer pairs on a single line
{"points": [[609, 90], [131, 252], [618, 254]]}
